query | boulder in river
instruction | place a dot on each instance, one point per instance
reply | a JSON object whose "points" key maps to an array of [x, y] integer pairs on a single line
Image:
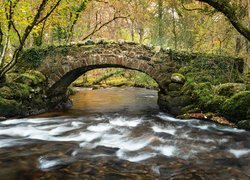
{"points": [[244, 124]]}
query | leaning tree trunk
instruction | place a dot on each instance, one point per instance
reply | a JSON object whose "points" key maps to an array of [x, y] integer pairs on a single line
{"points": [[229, 11]]}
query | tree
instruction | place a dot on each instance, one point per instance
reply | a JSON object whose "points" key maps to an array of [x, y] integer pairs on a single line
{"points": [[13, 26], [160, 22], [229, 9]]}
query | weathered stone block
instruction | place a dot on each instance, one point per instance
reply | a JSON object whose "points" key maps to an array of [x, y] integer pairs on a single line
{"points": [[174, 87], [178, 78]]}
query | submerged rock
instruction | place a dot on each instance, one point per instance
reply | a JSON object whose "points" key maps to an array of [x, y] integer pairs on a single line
{"points": [[2, 118], [244, 124], [208, 117]]}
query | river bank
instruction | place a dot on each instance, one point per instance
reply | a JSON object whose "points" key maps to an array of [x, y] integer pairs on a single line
{"points": [[228, 102]]}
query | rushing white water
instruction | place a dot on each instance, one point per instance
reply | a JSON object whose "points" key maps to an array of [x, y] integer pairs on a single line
{"points": [[117, 132], [239, 152]]}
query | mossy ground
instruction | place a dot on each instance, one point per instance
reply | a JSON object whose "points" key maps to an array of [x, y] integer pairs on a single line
{"points": [[23, 93], [235, 105]]}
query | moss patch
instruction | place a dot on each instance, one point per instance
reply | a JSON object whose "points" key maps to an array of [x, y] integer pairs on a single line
{"points": [[229, 89], [31, 78], [23, 95], [174, 87], [9, 107], [215, 104], [238, 106], [6, 92], [210, 68], [202, 93]]}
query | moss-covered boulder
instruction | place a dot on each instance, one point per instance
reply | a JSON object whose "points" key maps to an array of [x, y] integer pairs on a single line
{"points": [[23, 95], [174, 93], [248, 87], [229, 89], [238, 106], [202, 93], [31, 78], [10, 77], [20, 91], [188, 88], [15, 91], [174, 87], [9, 107], [191, 108], [215, 104], [6, 92], [244, 124], [178, 78]]}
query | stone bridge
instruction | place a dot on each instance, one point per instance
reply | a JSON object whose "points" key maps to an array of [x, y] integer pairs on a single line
{"points": [[62, 68], [63, 65]]}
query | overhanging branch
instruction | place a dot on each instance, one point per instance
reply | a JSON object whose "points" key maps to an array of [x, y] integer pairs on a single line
{"points": [[229, 11]]}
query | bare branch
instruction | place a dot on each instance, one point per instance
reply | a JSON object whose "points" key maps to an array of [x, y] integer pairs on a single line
{"points": [[49, 13], [103, 25], [81, 8], [15, 29], [193, 9]]}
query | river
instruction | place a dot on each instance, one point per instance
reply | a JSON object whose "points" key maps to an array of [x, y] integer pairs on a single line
{"points": [[120, 133]]}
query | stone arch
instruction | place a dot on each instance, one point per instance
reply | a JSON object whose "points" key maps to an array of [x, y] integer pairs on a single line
{"points": [[61, 69], [60, 86]]}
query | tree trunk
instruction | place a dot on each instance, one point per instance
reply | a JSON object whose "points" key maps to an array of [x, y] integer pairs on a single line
{"points": [[174, 26], [160, 22], [1, 37], [238, 45], [141, 34], [132, 30]]}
